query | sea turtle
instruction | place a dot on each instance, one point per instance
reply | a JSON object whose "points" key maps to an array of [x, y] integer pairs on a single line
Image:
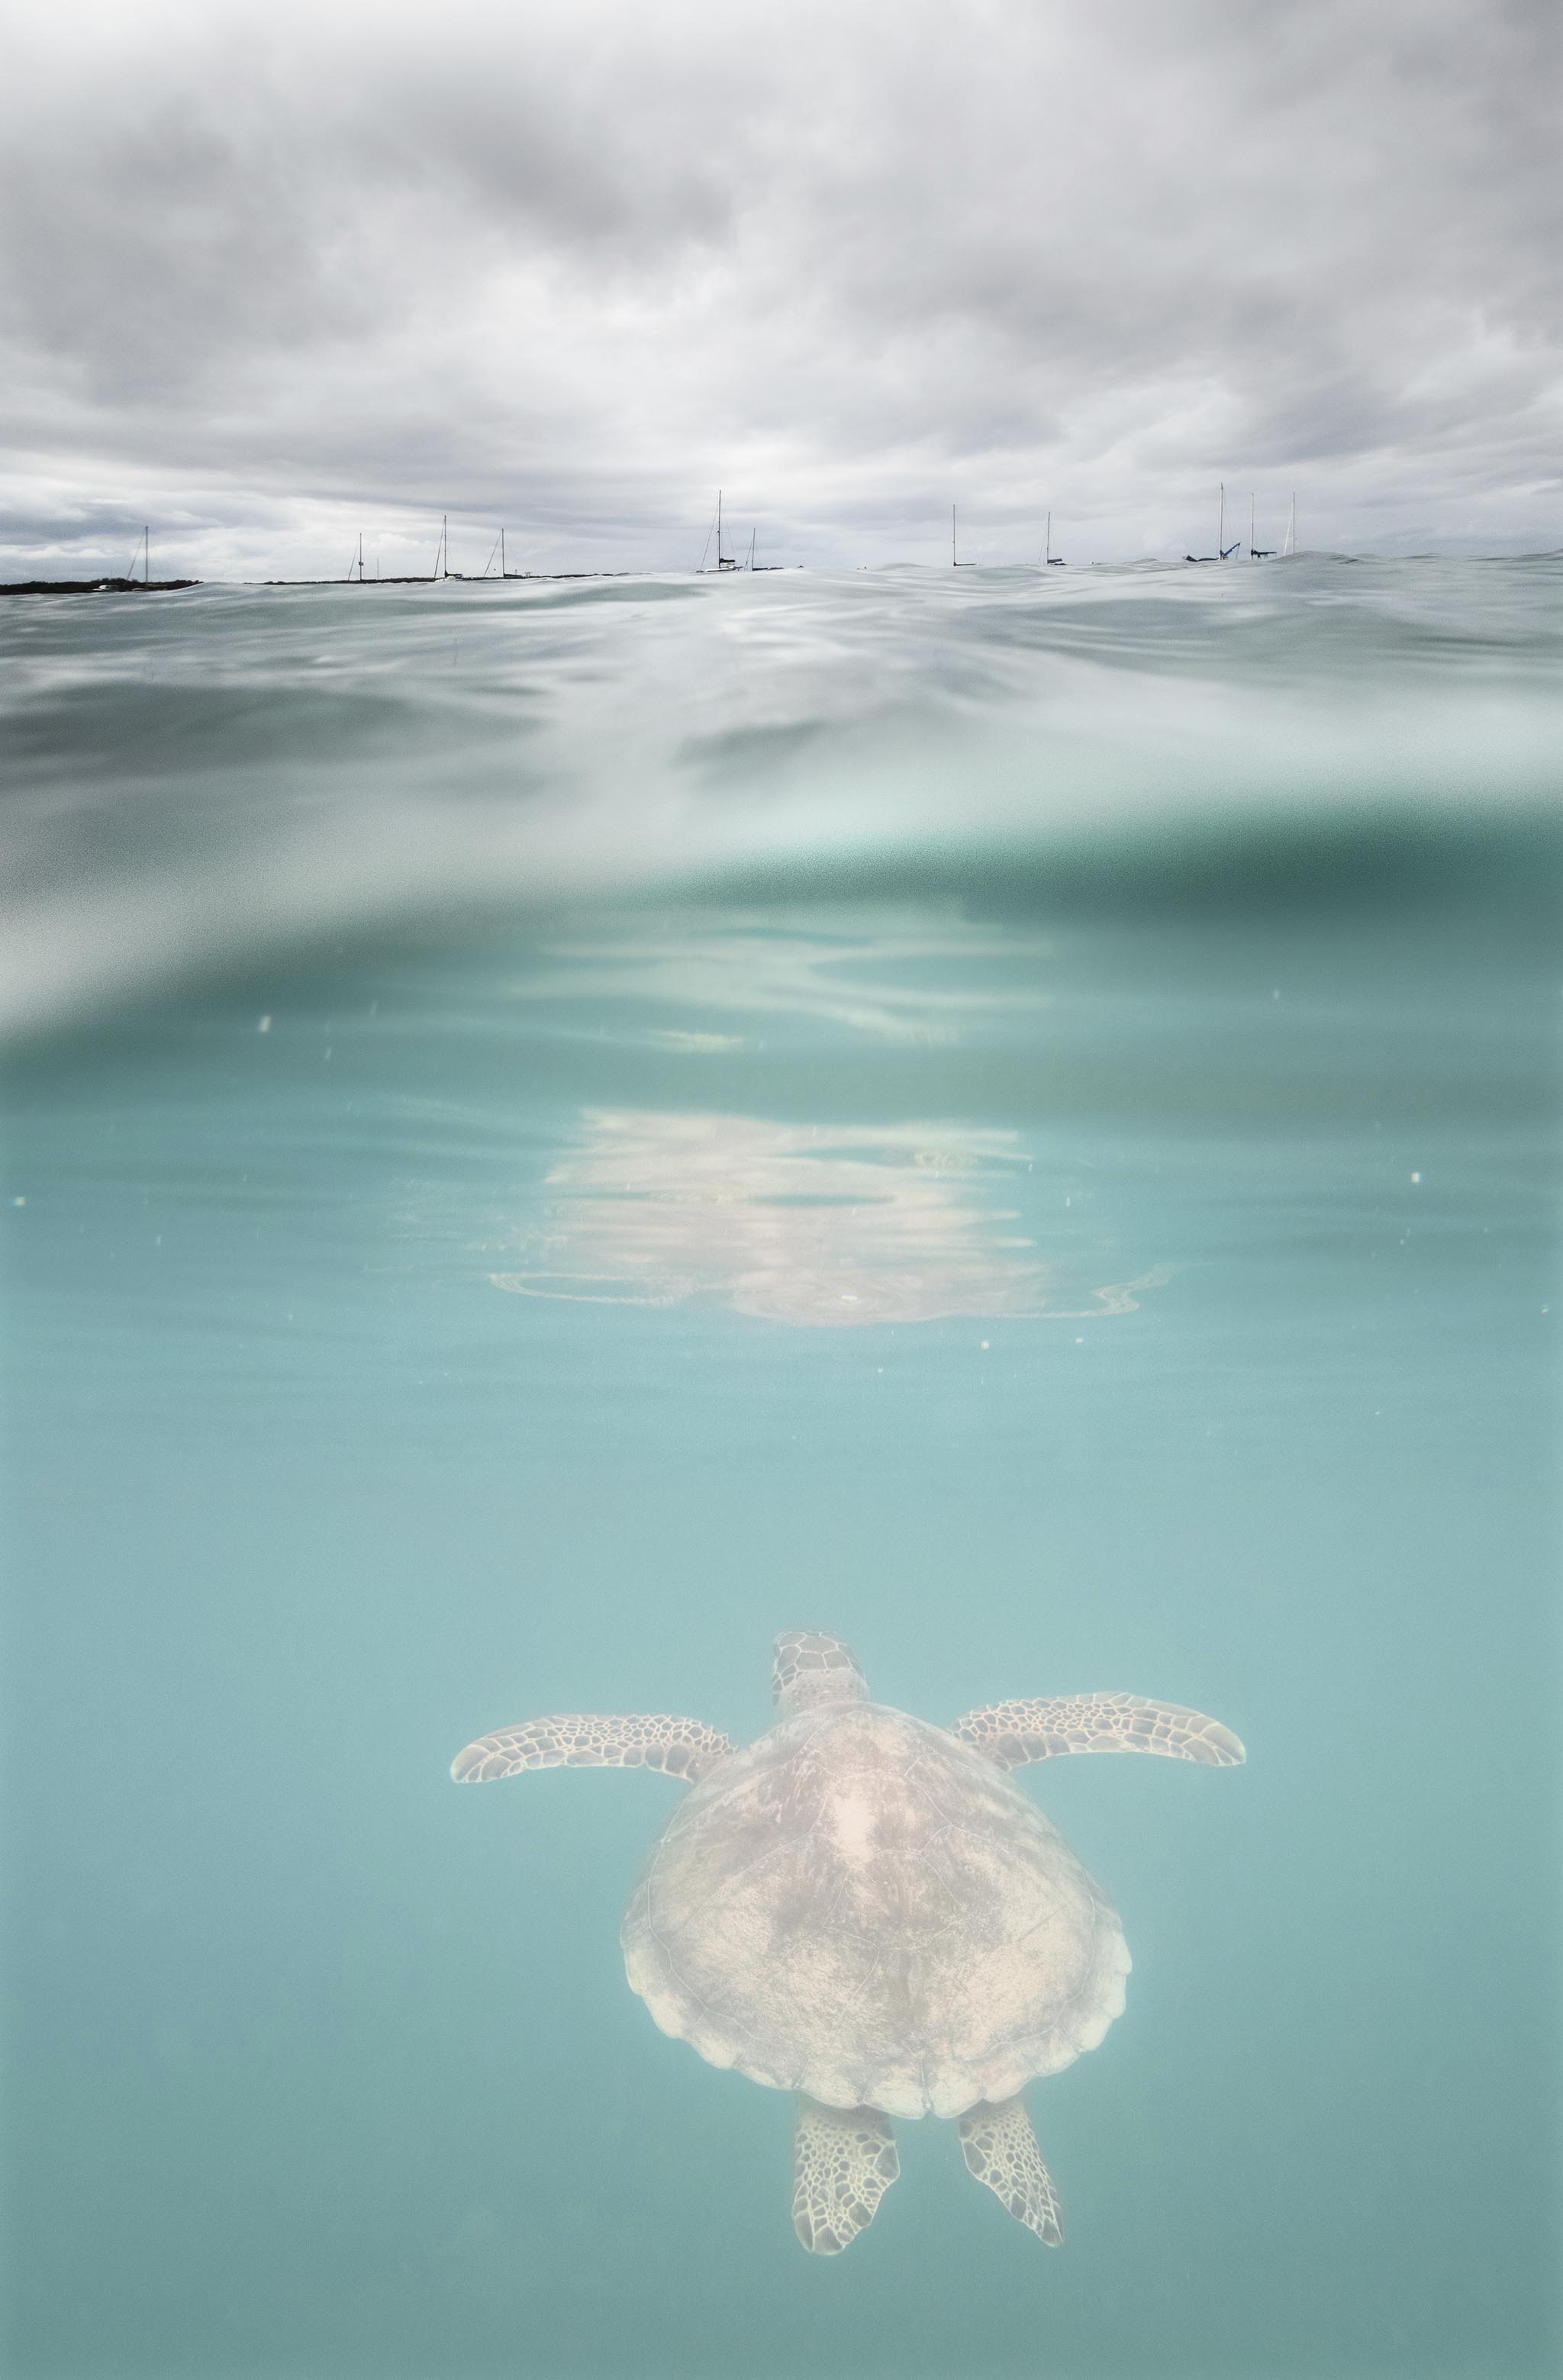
{"points": [[861, 1908]]}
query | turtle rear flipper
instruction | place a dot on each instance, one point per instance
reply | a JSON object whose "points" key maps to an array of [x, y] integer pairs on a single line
{"points": [[843, 2162], [1000, 2149]]}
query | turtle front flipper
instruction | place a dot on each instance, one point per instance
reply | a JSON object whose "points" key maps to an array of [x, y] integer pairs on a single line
{"points": [[1000, 2149], [1011, 1734], [684, 1747], [843, 2162]]}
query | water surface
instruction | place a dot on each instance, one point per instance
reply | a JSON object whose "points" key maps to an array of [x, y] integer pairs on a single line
{"points": [[551, 1135]]}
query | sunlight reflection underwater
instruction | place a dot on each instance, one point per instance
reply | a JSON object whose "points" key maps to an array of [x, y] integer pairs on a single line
{"points": [[797, 1223]]}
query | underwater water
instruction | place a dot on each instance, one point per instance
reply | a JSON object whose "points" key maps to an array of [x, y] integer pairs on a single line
{"points": [[552, 1133]]}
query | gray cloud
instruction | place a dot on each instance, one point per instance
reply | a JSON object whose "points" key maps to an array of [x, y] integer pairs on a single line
{"points": [[274, 274]]}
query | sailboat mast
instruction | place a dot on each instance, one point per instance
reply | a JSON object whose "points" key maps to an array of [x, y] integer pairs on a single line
{"points": [[1221, 527], [1047, 546], [501, 554], [954, 565]]}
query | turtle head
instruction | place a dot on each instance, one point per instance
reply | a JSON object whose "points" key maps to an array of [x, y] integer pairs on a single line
{"points": [[809, 1671]]}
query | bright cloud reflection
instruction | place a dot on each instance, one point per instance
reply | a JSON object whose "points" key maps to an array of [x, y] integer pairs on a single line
{"points": [[798, 1223]]}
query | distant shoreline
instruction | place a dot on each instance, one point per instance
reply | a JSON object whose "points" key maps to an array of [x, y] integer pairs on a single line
{"points": [[95, 586], [438, 578], [167, 586]]}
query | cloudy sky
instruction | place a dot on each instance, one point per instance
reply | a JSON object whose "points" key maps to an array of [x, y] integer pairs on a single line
{"points": [[279, 274]]}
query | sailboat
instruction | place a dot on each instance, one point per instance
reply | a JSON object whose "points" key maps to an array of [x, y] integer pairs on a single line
{"points": [[1223, 551], [1054, 561], [723, 561], [1222, 548], [505, 571]]}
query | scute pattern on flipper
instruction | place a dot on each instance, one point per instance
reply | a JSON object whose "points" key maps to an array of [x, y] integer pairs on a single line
{"points": [[1001, 2153], [1013, 1734], [843, 2162], [682, 1747]]}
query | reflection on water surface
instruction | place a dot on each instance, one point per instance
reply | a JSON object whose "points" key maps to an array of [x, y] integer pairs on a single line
{"points": [[895, 976], [797, 1223]]}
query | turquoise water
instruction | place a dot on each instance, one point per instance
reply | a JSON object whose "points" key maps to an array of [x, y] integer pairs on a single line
{"points": [[551, 1135]]}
